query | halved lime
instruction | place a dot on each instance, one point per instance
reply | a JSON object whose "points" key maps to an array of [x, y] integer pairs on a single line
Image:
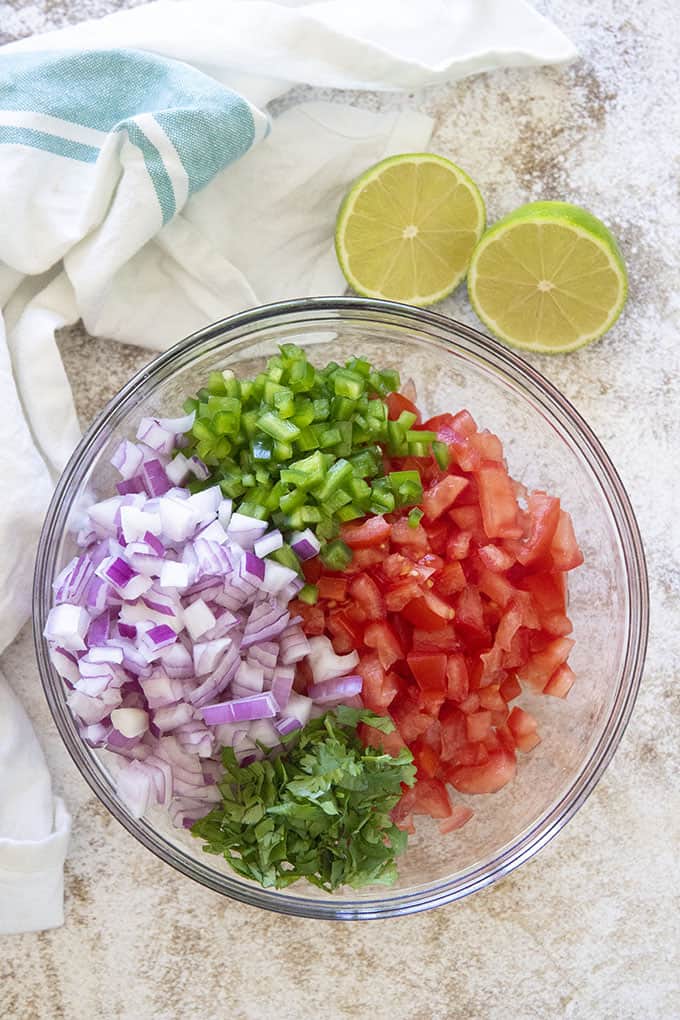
{"points": [[408, 227], [549, 277]]}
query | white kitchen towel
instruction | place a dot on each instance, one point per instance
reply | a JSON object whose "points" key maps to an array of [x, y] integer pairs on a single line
{"points": [[34, 827], [142, 189]]}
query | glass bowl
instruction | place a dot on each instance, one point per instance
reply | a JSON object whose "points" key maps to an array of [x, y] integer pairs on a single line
{"points": [[547, 444]]}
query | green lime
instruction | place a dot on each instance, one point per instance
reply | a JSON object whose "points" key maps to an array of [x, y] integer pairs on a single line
{"points": [[408, 227], [549, 277]]}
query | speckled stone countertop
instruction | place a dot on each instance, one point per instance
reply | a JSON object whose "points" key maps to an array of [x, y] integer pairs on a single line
{"points": [[590, 927]]}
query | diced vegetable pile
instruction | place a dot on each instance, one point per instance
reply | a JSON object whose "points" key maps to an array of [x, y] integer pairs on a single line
{"points": [[300, 588]]}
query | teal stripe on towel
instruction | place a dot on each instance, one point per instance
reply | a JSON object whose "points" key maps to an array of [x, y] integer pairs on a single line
{"points": [[10, 135], [156, 168], [209, 125]]}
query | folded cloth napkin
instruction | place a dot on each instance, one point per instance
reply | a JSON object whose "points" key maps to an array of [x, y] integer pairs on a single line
{"points": [[144, 189]]}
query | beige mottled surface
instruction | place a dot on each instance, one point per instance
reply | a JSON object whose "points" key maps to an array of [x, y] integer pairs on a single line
{"points": [[589, 928]]}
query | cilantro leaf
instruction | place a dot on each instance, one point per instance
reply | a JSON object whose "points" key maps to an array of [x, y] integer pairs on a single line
{"points": [[321, 811]]}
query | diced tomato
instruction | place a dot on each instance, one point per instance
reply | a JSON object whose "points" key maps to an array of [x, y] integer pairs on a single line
{"points": [[396, 403], [547, 592], [372, 531], [313, 619], [470, 704], [469, 518], [396, 567], [458, 545], [382, 638], [543, 517], [499, 716], [495, 586], [379, 688], [428, 612], [366, 593], [510, 689], [431, 798], [497, 501], [490, 697], [460, 814], [447, 615], [399, 596], [403, 534], [431, 700], [487, 445], [332, 588], [561, 682], [470, 754], [312, 570], [564, 549], [392, 743], [478, 725], [443, 495], [496, 559], [488, 778], [443, 640], [426, 760], [520, 722], [469, 615], [428, 669], [457, 681], [453, 731], [364, 558], [543, 664], [409, 719], [451, 579], [340, 622], [557, 624]]}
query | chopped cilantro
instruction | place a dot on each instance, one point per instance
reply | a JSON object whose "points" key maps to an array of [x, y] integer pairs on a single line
{"points": [[321, 812]]}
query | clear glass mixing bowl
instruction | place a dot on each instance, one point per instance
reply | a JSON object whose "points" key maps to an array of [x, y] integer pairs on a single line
{"points": [[547, 445]]}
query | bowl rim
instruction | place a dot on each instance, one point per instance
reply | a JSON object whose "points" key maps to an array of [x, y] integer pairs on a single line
{"points": [[459, 336]]}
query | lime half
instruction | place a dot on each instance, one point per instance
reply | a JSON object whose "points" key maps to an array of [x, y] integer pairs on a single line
{"points": [[407, 229], [549, 278]]}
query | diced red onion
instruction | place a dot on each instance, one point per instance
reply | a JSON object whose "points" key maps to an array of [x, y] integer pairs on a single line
{"points": [[269, 543], [207, 654], [245, 530], [127, 459], [174, 575], [199, 469], [336, 689], [305, 544], [276, 577], [299, 707], [134, 786], [131, 485], [172, 716], [287, 724], [96, 735], [249, 677], [282, 685], [160, 690], [155, 478], [178, 469], [67, 626], [155, 436], [178, 519], [224, 512], [324, 662], [177, 426], [262, 731], [259, 706], [198, 618], [65, 663], [130, 722], [71, 584]]}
